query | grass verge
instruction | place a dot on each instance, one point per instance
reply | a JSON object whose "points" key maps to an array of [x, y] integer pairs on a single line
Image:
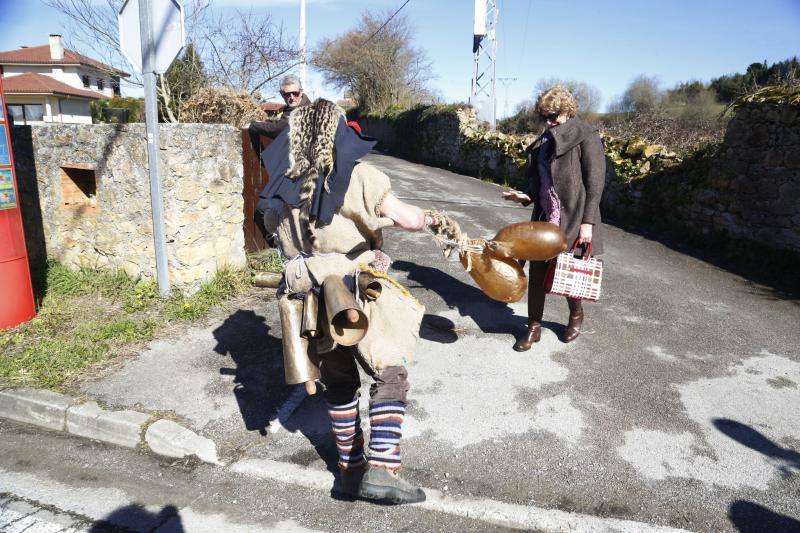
{"points": [[88, 316]]}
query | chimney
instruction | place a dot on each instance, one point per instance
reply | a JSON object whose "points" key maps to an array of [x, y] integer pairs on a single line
{"points": [[56, 50]]}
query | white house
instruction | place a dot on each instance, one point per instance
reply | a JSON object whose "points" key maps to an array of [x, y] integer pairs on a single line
{"points": [[49, 83]]}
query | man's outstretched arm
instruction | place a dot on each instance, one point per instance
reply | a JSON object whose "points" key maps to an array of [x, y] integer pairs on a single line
{"points": [[406, 216]]}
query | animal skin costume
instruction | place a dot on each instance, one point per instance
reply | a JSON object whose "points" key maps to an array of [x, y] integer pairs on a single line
{"points": [[324, 208]]}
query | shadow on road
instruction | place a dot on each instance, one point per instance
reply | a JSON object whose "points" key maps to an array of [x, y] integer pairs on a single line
{"points": [[764, 266], [261, 392], [490, 315], [135, 517], [749, 517], [747, 436]]}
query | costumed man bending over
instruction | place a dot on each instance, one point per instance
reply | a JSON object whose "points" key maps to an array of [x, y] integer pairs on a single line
{"points": [[327, 211]]}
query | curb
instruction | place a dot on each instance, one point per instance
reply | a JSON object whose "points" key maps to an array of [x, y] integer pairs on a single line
{"points": [[54, 411]]}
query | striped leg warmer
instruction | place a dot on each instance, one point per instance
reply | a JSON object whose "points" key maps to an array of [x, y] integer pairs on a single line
{"points": [[346, 425], [386, 422]]}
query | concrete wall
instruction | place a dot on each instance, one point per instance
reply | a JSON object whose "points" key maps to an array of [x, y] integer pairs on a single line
{"points": [[110, 225]]}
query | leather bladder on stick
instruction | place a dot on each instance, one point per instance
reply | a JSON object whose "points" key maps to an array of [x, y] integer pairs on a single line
{"points": [[347, 323], [529, 241]]}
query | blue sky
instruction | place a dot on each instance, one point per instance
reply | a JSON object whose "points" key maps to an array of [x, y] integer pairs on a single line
{"points": [[603, 43]]}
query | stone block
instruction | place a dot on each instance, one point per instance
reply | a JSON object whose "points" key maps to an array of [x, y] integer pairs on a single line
{"points": [[168, 438], [123, 428], [42, 408], [197, 253]]}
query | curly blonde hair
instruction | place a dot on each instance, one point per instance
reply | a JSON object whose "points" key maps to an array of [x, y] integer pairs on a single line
{"points": [[557, 100]]}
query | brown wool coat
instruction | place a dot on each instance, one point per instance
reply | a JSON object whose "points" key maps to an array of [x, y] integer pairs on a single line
{"points": [[578, 167]]}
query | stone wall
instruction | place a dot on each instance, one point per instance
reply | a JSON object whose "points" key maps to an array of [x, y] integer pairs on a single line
{"points": [[108, 224], [747, 188], [449, 137]]}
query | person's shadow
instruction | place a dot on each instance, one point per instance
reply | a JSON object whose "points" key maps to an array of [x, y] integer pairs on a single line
{"points": [[749, 517], [489, 315], [135, 517], [788, 460], [259, 386]]}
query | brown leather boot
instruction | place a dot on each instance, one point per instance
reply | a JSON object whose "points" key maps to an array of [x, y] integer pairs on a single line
{"points": [[575, 320], [533, 334]]}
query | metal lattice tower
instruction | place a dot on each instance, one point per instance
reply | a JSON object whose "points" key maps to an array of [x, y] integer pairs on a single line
{"points": [[484, 50]]}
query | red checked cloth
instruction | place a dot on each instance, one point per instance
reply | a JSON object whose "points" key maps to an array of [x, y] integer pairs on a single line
{"points": [[575, 277]]}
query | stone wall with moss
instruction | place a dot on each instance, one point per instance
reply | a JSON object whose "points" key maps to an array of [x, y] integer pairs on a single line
{"points": [[747, 187], [449, 136], [86, 188]]}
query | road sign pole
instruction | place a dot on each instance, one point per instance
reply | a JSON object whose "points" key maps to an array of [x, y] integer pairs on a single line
{"points": [[151, 115]]}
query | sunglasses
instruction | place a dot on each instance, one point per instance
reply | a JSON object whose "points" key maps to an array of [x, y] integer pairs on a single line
{"points": [[549, 117], [290, 93]]}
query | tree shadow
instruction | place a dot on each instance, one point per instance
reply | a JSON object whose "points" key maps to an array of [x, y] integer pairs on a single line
{"points": [[259, 386], [490, 315], [749, 517], [135, 517], [753, 439]]}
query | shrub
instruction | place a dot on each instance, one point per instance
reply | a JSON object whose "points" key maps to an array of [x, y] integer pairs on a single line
{"points": [[221, 106]]}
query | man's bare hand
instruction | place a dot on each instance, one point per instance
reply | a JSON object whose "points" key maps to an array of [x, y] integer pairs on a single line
{"points": [[516, 196]]}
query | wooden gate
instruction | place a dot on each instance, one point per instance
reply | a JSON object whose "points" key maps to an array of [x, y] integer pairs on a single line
{"points": [[255, 179]]}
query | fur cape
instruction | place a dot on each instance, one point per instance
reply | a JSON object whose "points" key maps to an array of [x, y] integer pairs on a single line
{"points": [[310, 162]]}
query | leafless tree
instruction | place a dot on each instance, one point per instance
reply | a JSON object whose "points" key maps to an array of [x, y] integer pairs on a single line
{"points": [[247, 52], [376, 62]]}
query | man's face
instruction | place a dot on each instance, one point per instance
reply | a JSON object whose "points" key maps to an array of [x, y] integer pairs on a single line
{"points": [[292, 95]]}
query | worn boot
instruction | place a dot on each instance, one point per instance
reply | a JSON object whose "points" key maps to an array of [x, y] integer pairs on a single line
{"points": [[525, 342], [381, 482], [575, 320], [382, 485]]}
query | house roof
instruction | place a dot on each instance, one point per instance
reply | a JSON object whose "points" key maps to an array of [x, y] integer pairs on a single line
{"points": [[31, 83], [40, 55]]}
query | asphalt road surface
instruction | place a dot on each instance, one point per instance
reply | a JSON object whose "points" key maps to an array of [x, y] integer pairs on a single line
{"points": [[676, 408]]}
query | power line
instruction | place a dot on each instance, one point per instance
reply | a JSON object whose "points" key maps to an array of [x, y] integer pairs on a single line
{"points": [[525, 33], [387, 22]]}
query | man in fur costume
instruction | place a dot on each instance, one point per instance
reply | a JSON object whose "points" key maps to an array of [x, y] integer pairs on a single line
{"points": [[327, 211]]}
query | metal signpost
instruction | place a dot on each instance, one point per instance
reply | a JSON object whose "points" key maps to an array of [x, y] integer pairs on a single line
{"points": [[151, 35]]}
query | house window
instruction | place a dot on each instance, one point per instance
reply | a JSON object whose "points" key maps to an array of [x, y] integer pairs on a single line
{"points": [[99, 84], [78, 186], [115, 87], [86, 82], [22, 114]]}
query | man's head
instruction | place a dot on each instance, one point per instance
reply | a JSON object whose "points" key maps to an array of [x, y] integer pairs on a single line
{"points": [[291, 90]]}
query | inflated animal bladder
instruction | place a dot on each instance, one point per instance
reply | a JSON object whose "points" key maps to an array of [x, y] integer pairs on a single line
{"points": [[347, 323], [529, 241], [499, 277]]}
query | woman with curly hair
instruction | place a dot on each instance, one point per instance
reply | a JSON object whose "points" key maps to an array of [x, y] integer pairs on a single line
{"points": [[566, 168]]}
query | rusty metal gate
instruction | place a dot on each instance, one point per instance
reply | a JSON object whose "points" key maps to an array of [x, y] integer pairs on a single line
{"points": [[255, 179]]}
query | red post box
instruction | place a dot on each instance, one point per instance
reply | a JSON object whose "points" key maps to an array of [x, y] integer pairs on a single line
{"points": [[16, 293]]}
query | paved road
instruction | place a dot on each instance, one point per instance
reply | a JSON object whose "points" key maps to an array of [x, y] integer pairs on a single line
{"points": [[676, 407]]}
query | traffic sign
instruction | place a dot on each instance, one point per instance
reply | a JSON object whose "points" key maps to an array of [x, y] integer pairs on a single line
{"points": [[168, 33]]}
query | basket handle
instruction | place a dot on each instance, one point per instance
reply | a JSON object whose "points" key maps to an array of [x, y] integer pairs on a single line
{"points": [[587, 249]]}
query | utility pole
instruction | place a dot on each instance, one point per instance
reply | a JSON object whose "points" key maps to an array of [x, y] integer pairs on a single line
{"points": [[151, 120], [506, 82], [302, 43], [484, 51]]}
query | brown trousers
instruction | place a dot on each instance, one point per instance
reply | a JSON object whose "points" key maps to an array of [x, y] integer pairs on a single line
{"points": [[339, 374]]}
